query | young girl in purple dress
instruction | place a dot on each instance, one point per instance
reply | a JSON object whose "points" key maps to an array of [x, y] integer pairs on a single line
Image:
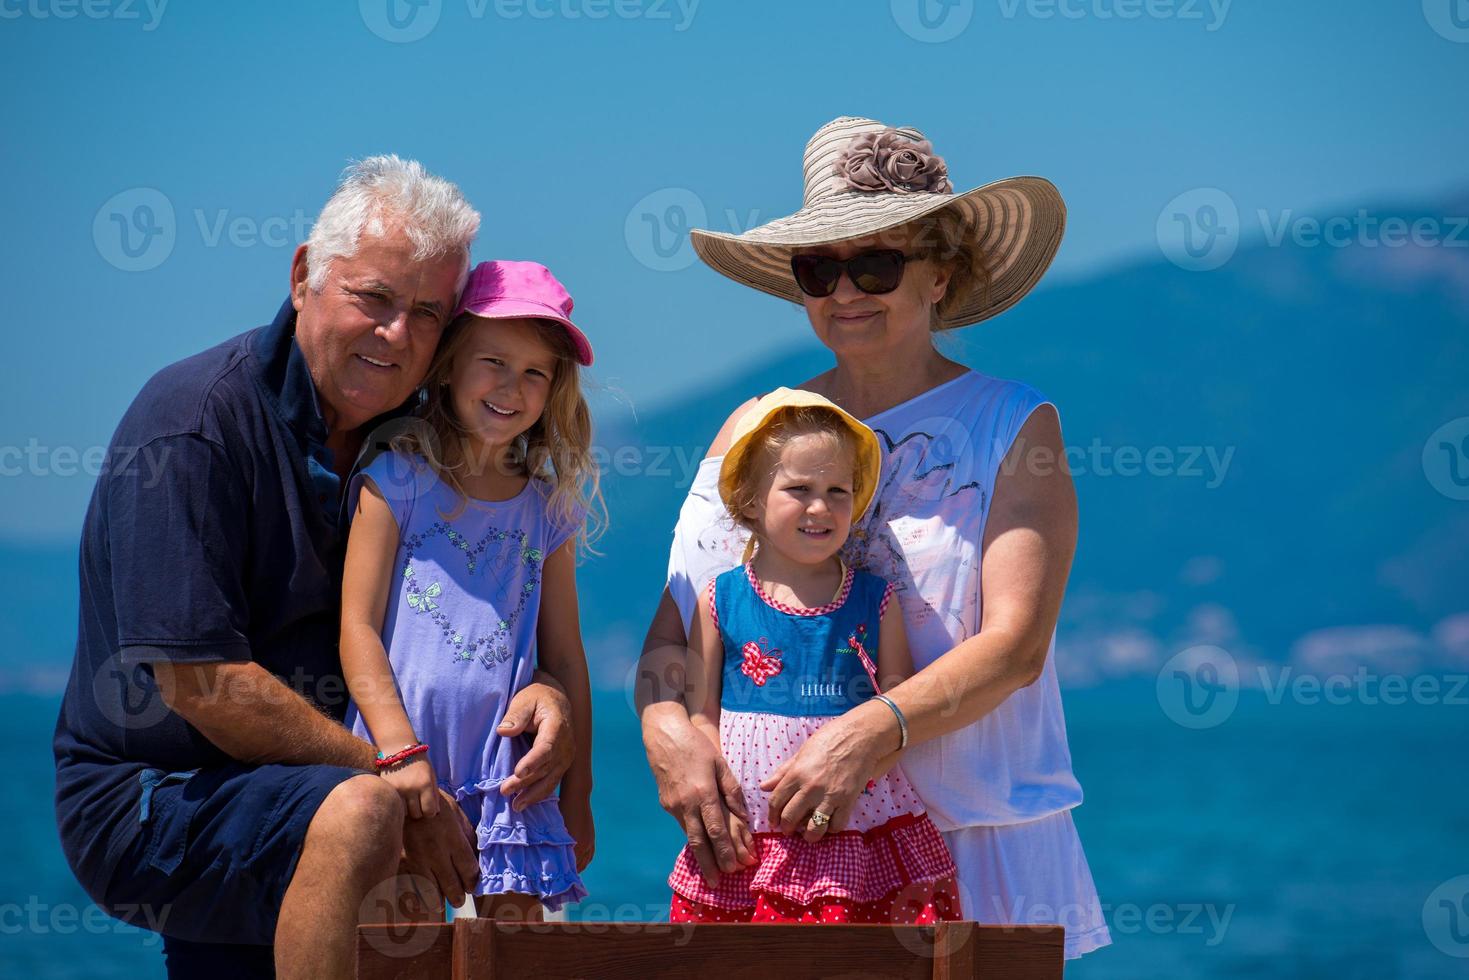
{"points": [[460, 582]]}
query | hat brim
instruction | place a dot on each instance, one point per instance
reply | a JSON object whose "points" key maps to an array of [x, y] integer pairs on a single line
{"points": [[510, 309], [1017, 224], [764, 412]]}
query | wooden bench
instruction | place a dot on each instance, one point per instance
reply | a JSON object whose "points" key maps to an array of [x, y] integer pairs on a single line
{"points": [[483, 949]]}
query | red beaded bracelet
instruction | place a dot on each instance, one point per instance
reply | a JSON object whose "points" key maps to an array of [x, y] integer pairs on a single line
{"points": [[407, 752]]}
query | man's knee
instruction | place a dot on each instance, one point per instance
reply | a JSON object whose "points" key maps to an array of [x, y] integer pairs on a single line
{"points": [[363, 813]]}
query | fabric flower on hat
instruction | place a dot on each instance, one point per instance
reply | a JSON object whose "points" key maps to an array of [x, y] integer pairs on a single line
{"points": [[891, 161]]}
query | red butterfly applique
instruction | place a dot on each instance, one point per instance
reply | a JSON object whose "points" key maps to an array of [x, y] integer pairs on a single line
{"points": [[761, 663]]}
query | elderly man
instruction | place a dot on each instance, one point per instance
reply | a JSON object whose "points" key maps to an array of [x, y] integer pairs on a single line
{"points": [[205, 786]]}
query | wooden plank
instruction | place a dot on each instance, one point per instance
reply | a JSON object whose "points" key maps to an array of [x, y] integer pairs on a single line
{"points": [[476, 946], [1029, 952], [407, 951], [481, 949]]}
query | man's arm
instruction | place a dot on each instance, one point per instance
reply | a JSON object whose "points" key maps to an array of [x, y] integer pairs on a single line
{"points": [[178, 546], [252, 716]]}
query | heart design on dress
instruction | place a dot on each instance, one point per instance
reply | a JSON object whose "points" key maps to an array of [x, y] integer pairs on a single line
{"points": [[501, 557]]}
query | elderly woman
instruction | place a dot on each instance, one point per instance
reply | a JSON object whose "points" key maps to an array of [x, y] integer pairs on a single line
{"points": [[974, 523]]}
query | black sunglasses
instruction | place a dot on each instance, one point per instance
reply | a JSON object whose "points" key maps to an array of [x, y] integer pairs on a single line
{"points": [[872, 272]]}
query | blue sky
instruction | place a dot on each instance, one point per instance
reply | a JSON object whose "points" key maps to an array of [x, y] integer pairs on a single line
{"points": [[574, 124]]}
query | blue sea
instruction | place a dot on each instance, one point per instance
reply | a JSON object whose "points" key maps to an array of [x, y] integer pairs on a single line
{"points": [[1292, 840]]}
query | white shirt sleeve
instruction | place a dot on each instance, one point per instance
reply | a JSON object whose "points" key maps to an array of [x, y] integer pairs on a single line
{"points": [[706, 541]]}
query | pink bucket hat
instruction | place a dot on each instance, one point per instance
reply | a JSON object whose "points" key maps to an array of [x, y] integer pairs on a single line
{"points": [[511, 290]]}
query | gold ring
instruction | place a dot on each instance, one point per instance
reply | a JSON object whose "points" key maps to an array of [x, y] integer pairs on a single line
{"points": [[819, 819]]}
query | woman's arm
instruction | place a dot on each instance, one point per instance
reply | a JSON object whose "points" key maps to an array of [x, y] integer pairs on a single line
{"points": [[1030, 536], [695, 784], [372, 550]]}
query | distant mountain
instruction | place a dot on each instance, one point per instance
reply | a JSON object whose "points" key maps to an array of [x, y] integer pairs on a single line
{"points": [[1314, 375]]}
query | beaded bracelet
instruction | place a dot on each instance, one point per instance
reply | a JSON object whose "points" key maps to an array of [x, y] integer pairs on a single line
{"points": [[407, 752], [902, 722]]}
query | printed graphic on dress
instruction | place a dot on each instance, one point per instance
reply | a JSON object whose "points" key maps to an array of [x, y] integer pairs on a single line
{"points": [[510, 570], [927, 474]]}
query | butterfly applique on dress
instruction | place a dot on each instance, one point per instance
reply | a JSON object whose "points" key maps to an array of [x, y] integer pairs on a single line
{"points": [[761, 662]]}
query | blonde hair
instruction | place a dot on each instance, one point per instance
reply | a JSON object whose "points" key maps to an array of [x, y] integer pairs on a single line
{"points": [[768, 442], [557, 448]]}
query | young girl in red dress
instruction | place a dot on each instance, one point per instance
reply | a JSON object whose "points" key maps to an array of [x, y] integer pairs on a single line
{"points": [[787, 640]]}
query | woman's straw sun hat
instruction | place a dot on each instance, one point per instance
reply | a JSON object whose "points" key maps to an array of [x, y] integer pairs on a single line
{"points": [[863, 178]]}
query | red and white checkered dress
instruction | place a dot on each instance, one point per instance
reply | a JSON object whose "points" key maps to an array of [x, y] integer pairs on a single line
{"points": [[788, 671]]}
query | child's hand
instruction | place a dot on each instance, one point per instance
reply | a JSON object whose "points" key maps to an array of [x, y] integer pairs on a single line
{"points": [[415, 782], [577, 813], [743, 840]]}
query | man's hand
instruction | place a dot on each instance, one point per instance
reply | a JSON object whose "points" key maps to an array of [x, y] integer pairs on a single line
{"points": [[541, 708], [697, 787], [442, 849]]}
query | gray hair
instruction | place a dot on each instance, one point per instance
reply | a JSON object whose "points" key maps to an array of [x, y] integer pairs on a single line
{"points": [[384, 192]]}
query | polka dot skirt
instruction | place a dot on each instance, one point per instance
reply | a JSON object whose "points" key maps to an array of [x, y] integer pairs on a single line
{"points": [[915, 905]]}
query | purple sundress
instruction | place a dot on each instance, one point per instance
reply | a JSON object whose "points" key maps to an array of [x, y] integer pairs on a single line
{"points": [[460, 632]]}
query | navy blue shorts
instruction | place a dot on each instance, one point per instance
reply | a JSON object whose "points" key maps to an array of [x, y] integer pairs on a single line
{"points": [[215, 851]]}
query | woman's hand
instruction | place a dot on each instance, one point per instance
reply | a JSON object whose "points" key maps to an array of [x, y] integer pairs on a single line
{"points": [[830, 770], [696, 787], [415, 781]]}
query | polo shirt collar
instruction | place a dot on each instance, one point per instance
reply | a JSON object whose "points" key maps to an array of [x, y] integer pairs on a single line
{"points": [[285, 377]]}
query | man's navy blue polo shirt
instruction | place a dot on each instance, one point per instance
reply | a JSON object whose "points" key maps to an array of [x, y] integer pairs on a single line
{"points": [[214, 534]]}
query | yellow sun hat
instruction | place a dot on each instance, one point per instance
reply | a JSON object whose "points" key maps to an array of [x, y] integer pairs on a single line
{"points": [[766, 411]]}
